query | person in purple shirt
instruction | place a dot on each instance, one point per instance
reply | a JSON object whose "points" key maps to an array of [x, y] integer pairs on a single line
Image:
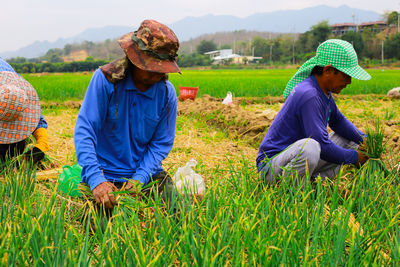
{"points": [[298, 142], [126, 125]]}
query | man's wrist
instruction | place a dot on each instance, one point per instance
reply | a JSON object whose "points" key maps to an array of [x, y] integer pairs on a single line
{"points": [[93, 183], [140, 178]]}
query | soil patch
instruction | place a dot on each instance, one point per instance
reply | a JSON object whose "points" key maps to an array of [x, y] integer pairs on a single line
{"points": [[238, 123], [61, 136], [392, 133]]}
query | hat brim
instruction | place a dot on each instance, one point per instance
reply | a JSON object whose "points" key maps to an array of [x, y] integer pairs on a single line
{"points": [[27, 121], [356, 72], [143, 61]]}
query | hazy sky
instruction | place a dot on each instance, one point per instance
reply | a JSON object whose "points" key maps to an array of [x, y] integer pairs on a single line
{"points": [[25, 21]]}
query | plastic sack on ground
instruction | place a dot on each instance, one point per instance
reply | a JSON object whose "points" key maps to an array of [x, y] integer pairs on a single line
{"points": [[69, 180], [228, 99], [188, 181]]}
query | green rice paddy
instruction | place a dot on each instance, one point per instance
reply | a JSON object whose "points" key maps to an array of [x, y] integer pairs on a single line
{"points": [[72, 86]]}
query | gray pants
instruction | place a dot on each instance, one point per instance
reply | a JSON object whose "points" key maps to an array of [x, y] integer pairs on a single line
{"points": [[303, 157]]}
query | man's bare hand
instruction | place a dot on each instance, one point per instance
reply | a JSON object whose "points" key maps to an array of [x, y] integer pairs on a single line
{"points": [[103, 194], [362, 158]]}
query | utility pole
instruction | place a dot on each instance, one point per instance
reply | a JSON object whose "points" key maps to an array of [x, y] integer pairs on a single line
{"points": [[354, 21], [270, 53], [293, 53], [270, 49], [383, 57], [293, 45]]}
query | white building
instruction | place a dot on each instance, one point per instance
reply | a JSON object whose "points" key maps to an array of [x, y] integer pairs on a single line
{"points": [[223, 55]]}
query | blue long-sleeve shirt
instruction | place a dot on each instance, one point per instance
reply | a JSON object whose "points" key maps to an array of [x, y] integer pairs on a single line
{"points": [[4, 66], [128, 140], [306, 113]]}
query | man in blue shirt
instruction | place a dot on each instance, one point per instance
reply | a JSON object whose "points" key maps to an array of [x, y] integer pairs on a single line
{"points": [[297, 141], [126, 125]]}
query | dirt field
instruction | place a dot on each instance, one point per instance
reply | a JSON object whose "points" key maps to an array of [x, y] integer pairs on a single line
{"points": [[217, 135]]}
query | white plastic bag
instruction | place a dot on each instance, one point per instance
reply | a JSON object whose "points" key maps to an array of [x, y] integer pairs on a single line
{"points": [[188, 181], [228, 99]]}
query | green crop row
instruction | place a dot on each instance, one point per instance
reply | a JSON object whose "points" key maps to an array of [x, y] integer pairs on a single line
{"points": [[61, 87], [271, 82], [238, 222]]}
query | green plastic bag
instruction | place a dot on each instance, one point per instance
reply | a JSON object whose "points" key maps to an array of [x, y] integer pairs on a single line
{"points": [[69, 180]]}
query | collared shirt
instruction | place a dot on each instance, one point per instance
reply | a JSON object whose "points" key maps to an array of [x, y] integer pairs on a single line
{"points": [[124, 134], [4, 66], [306, 113]]}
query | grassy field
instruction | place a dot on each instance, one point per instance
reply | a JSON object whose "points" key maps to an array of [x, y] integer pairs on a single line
{"points": [[352, 220], [61, 87], [271, 82], [239, 222]]}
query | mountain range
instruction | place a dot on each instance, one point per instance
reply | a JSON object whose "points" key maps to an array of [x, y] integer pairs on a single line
{"points": [[284, 21]]}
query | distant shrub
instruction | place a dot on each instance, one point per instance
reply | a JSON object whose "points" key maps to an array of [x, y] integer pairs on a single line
{"points": [[77, 66]]}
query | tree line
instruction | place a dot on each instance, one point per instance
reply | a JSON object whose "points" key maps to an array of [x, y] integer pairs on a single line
{"points": [[53, 61], [371, 46], [38, 67]]}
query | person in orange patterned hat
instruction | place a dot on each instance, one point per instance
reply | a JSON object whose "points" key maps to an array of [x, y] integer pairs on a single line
{"points": [[20, 117]]}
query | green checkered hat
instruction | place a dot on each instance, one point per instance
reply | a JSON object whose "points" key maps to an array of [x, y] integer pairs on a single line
{"points": [[337, 53]]}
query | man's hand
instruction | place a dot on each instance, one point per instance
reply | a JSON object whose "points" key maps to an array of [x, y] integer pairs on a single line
{"points": [[102, 194], [362, 158]]}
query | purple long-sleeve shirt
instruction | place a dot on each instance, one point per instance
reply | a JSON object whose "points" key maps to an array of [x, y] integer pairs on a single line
{"points": [[306, 113]]}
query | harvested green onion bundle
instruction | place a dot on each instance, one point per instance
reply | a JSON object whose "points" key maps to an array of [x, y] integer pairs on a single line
{"points": [[375, 147]]}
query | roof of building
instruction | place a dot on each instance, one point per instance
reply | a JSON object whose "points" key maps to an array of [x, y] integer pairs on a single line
{"points": [[344, 25], [371, 23], [212, 52], [226, 57], [218, 51]]}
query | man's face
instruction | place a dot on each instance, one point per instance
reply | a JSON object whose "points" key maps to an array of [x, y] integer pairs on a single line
{"points": [[146, 78], [339, 81]]}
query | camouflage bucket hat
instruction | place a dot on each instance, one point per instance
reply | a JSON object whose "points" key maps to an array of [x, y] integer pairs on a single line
{"points": [[337, 53], [19, 108], [153, 47]]}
